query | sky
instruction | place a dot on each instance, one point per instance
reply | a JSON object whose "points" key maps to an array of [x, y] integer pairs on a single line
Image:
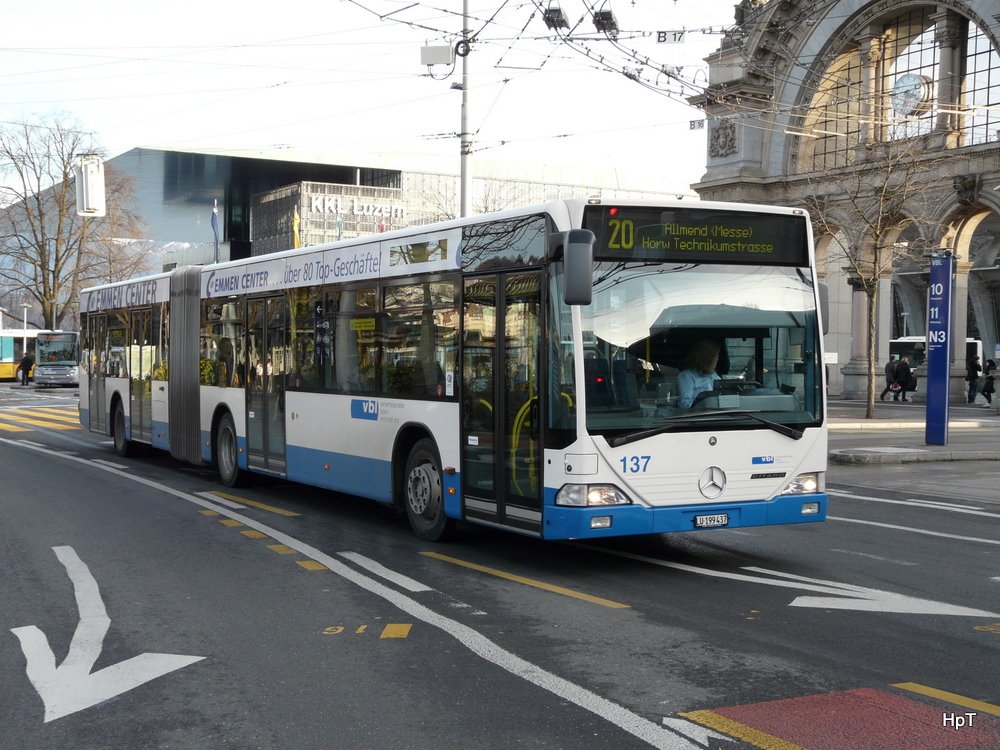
{"points": [[346, 76]]}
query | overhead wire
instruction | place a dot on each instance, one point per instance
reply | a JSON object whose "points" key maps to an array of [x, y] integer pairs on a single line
{"points": [[624, 59]]}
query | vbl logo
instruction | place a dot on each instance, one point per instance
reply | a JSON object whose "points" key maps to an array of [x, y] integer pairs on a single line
{"points": [[364, 408]]}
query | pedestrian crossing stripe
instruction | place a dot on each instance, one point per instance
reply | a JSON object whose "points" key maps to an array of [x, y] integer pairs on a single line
{"points": [[37, 422], [13, 428], [62, 416]]}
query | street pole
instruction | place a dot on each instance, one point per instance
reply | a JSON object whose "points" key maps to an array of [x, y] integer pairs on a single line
{"points": [[466, 137]]}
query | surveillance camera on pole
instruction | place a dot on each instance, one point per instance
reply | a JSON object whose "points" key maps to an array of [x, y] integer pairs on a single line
{"points": [[90, 199]]}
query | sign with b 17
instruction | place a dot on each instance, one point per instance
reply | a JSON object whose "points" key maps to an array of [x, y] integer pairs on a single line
{"points": [[671, 37]]}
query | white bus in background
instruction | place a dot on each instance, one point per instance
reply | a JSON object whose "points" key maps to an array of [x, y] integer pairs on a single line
{"points": [[915, 349], [57, 358], [517, 370]]}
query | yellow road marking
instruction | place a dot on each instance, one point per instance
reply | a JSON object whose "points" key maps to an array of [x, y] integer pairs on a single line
{"points": [[262, 506], [311, 565], [529, 582], [38, 422], [960, 700], [281, 549], [396, 631], [755, 737], [254, 534], [210, 512], [230, 522], [49, 414], [14, 428]]}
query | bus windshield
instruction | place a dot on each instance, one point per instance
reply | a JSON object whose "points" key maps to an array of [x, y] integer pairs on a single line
{"points": [[663, 342], [56, 349]]}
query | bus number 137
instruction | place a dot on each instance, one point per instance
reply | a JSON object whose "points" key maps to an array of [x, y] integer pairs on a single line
{"points": [[634, 464]]}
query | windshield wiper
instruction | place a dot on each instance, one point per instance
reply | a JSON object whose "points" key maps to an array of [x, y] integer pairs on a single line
{"points": [[671, 423], [703, 417]]}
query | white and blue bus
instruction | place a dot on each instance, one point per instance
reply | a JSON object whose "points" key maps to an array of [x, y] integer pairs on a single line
{"points": [[57, 358], [521, 370]]}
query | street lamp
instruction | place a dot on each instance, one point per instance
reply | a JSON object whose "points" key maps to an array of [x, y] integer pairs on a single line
{"points": [[25, 305], [2, 311]]}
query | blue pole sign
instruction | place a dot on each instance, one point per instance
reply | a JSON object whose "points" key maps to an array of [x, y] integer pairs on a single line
{"points": [[938, 349]]}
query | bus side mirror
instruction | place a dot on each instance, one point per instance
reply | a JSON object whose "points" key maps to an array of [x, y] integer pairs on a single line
{"points": [[824, 306], [578, 264]]}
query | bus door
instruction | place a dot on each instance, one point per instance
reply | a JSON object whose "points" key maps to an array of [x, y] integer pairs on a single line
{"points": [[140, 370], [501, 447], [97, 331], [266, 354]]}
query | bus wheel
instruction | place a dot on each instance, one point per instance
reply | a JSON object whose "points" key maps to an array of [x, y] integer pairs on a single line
{"points": [[227, 453], [123, 446], [425, 494]]}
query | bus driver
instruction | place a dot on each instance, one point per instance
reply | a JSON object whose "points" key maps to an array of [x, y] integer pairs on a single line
{"points": [[699, 375]]}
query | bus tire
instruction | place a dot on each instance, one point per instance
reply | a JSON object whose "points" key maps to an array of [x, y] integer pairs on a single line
{"points": [[123, 446], [227, 453], [423, 489]]}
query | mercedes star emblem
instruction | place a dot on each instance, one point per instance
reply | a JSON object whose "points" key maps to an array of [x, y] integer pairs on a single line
{"points": [[712, 482]]}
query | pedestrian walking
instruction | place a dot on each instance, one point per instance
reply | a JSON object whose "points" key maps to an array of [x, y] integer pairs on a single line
{"points": [[27, 362], [890, 376], [989, 385], [972, 370], [903, 375]]}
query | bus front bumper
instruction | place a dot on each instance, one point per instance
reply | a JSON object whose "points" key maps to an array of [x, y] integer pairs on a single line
{"points": [[564, 522]]}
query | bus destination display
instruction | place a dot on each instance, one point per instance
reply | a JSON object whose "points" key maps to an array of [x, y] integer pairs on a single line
{"points": [[693, 235]]}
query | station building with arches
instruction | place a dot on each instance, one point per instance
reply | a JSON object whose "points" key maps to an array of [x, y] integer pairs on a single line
{"points": [[883, 119]]}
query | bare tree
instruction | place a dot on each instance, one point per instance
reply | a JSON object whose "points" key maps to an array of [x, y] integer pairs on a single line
{"points": [[869, 203], [49, 252]]}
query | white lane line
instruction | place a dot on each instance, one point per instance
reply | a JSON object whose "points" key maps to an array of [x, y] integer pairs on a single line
{"points": [[221, 500], [915, 531], [873, 557], [102, 462], [968, 510], [476, 642], [390, 575]]}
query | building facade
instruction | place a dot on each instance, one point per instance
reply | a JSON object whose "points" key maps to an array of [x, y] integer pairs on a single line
{"points": [[883, 119], [266, 198]]}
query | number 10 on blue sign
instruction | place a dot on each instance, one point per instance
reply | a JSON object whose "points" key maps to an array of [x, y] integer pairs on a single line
{"points": [[938, 349]]}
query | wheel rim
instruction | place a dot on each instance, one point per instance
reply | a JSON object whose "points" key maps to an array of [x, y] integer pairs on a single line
{"points": [[423, 490]]}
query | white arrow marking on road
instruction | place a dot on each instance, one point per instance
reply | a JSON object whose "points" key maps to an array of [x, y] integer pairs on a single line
{"points": [[847, 596], [71, 687], [698, 733]]}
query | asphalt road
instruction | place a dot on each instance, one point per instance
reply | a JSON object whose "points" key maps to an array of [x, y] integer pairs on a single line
{"points": [[283, 616]]}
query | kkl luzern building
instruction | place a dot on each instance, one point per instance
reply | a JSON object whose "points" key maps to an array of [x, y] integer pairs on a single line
{"points": [[883, 120]]}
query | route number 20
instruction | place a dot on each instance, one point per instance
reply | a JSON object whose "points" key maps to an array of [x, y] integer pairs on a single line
{"points": [[622, 234], [634, 464]]}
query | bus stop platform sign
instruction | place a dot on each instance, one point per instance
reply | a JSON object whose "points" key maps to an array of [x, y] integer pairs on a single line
{"points": [[938, 349]]}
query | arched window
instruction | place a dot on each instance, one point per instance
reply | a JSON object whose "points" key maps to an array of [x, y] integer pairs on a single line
{"points": [[924, 72]]}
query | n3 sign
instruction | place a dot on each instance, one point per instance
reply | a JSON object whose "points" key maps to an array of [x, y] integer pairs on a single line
{"points": [[938, 349]]}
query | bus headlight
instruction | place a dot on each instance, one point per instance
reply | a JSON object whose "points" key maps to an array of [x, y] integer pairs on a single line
{"points": [[590, 495], [804, 484]]}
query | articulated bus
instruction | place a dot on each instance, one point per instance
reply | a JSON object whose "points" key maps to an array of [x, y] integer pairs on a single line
{"points": [[524, 370], [57, 358]]}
